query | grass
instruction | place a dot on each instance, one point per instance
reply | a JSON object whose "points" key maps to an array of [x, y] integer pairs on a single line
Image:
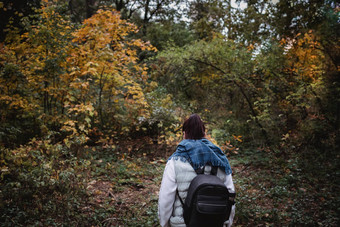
{"points": [[109, 187], [276, 190], [102, 187], [125, 188]]}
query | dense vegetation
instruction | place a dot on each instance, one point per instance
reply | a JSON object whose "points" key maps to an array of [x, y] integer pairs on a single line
{"points": [[93, 94]]}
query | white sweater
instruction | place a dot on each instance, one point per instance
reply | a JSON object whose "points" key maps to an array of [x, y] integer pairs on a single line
{"points": [[179, 174]]}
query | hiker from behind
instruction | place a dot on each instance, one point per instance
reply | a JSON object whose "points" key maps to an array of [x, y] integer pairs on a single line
{"points": [[197, 187]]}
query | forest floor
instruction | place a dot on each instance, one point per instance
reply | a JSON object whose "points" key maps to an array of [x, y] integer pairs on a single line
{"points": [[270, 191], [118, 186]]}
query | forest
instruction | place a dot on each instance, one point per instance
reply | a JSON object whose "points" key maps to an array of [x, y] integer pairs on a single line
{"points": [[93, 95]]}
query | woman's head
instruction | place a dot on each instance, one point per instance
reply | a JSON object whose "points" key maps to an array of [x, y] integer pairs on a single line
{"points": [[193, 127]]}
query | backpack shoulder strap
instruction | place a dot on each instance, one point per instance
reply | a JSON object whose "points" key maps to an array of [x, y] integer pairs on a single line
{"points": [[200, 170], [180, 199], [214, 170]]}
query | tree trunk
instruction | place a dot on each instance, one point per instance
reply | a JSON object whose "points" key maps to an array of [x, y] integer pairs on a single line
{"points": [[90, 8]]}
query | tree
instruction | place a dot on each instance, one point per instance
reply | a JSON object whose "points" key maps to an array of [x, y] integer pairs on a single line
{"points": [[110, 59], [33, 69], [63, 78], [207, 17], [198, 73], [11, 13]]}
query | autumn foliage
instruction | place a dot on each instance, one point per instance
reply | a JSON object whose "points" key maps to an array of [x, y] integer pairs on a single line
{"points": [[72, 79], [89, 107]]}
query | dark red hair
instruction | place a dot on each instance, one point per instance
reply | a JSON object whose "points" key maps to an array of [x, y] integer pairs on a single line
{"points": [[194, 127]]}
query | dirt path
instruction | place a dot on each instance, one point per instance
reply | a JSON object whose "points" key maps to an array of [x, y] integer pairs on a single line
{"points": [[133, 202]]}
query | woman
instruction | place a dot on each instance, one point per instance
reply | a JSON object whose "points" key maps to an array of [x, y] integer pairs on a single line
{"points": [[192, 153]]}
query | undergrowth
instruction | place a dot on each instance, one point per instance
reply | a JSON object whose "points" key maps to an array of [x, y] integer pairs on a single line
{"points": [[44, 185], [49, 185], [275, 189]]}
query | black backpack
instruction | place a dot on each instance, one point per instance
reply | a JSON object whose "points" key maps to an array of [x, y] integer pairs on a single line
{"points": [[208, 202]]}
